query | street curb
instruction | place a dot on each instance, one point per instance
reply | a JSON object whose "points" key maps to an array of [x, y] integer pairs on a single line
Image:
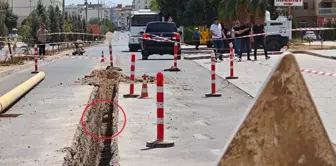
{"points": [[225, 56], [314, 54], [30, 64]]}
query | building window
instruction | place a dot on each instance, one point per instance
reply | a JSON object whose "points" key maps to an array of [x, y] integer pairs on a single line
{"points": [[146, 2], [305, 5]]}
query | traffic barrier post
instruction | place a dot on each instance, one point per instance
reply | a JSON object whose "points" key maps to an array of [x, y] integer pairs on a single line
{"points": [[102, 57], [111, 55], [160, 142], [231, 63], [144, 89], [35, 66], [213, 79], [174, 68], [35, 60], [132, 79]]}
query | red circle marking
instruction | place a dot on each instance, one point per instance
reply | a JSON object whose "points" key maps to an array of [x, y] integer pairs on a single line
{"points": [[97, 137]]}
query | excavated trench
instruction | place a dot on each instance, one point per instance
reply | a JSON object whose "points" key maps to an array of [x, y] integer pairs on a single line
{"points": [[101, 120]]}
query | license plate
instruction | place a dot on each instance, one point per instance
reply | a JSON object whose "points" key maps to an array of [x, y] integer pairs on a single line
{"points": [[161, 38]]}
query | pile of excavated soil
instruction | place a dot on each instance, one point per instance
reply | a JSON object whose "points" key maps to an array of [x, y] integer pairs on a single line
{"points": [[101, 120], [90, 79], [150, 79]]}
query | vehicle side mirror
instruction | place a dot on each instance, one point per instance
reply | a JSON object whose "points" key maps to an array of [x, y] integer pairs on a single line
{"points": [[142, 32], [180, 32]]}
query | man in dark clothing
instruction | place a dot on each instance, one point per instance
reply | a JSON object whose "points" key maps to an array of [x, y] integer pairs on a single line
{"points": [[236, 35], [245, 42], [258, 28], [197, 38]]}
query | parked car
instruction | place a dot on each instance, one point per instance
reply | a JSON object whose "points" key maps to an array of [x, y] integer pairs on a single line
{"points": [[155, 39], [310, 36]]}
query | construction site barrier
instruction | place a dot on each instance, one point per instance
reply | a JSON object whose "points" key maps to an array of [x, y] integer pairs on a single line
{"points": [[144, 89], [213, 78], [132, 79], [160, 142], [111, 55], [231, 63], [174, 68]]}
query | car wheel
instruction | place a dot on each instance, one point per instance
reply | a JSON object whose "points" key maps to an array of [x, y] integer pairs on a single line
{"points": [[273, 45], [145, 55]]}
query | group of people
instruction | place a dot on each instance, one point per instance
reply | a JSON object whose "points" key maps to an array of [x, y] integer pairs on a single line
{"points": [[239, 36]]}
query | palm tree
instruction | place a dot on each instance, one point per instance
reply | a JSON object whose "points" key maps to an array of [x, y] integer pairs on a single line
{"points": [[230, 10]]}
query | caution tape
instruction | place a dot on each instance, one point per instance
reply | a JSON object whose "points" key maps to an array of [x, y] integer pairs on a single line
{"points": [[318, 72], [245, 36]]}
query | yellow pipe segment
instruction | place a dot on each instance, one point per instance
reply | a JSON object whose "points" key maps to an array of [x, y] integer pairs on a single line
{"points": [[12, 96]]}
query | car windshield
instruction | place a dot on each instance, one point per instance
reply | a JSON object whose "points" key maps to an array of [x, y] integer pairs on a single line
{"points": [[161, 27], [142, 20]]}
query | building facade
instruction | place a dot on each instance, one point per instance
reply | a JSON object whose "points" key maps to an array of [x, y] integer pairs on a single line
{"points": [[141, 4], [314, 12], [94, 11], [120, 15], [22, 8]]}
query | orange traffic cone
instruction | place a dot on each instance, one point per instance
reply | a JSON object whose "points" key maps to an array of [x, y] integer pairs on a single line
{"points": [[144, 90]]}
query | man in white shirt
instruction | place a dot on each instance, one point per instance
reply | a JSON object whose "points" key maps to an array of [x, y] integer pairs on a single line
{"points": [[217, 40]]}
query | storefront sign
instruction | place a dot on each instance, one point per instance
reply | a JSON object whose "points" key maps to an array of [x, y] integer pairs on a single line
{"points": [[288, 2]]}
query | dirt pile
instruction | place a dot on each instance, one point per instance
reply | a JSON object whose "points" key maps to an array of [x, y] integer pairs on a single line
{"points": [[101, 120]]}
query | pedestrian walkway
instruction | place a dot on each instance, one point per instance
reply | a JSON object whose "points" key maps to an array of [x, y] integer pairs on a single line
{"points": [[253, 74]]}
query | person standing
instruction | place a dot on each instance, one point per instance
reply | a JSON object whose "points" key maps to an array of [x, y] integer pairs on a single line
{"points": [[258, 28], [245, 41], [42, 36], [216, 36], [226, 35], [197, 38], [236, 35]]}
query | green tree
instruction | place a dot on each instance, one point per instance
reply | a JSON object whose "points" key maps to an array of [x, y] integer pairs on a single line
{"points": [[195, 12], [42, 13], [154, 5], [54, 23], [94, 21], [59, 16], [34, 23], [233, 9], [25, 32], [11, 20]]}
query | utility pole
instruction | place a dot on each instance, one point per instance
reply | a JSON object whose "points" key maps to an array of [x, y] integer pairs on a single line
{"points": [[86, 9], [63, 12], [98, 11]]}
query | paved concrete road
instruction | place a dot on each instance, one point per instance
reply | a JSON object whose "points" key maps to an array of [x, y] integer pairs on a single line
{"points": [[253, 74], [49, 113]]}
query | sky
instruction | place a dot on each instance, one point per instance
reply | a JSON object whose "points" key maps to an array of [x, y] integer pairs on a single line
{"points": [[107, 2]]}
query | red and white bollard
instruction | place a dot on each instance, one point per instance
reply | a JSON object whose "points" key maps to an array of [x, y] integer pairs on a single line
{"points": [[174, 68], [231, 63], [35, 60], [213, 79], [102, 57], [160, 142], [35, 50], [36, 66], [132, 79], [111, 56], [144, 90]]}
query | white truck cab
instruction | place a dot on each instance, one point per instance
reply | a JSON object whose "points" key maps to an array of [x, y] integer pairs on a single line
{"points": [[138, 23], [279, 32]]}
